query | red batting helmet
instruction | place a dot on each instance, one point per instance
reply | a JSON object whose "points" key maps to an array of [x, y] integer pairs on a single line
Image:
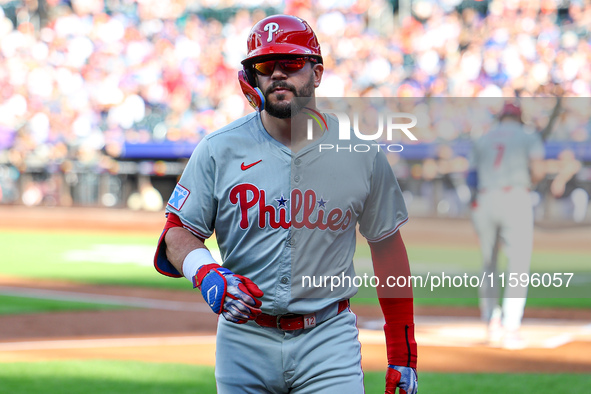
{"points": [[281, 35], [510, 109], [275, 35]]}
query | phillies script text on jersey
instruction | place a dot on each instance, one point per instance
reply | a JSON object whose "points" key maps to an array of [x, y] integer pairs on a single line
{"points": [[247, 196]]}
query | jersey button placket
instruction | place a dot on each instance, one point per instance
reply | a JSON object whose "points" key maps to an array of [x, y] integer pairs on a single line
{"points": [[296, 170]]}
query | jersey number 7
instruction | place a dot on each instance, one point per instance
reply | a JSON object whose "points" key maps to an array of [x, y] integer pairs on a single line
{"points": [[499, 157]]}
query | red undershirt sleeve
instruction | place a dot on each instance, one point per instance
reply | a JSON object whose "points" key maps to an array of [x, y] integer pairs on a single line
{"points": [[161, 262], [390, 261]]}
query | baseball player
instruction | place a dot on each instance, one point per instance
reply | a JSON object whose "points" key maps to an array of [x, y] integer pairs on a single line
{"points": [[504, 164], [256, 183]]}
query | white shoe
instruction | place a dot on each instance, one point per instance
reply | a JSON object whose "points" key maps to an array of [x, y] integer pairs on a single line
{"points": [[495, 328], [513, 340]]}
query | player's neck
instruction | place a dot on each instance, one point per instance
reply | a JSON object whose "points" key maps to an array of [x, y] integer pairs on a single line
{"points": [[291, 132]]}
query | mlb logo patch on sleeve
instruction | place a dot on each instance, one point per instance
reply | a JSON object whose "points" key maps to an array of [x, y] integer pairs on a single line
{"points": [[178, 197]]}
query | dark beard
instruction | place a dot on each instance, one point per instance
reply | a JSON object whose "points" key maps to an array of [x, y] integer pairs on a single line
{"points": [[283, 110]]}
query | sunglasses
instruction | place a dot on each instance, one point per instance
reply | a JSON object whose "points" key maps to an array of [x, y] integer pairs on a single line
{"points": [[288, 65]]}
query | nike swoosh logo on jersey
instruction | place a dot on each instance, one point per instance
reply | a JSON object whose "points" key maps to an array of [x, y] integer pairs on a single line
{"points": [[245, 167]]}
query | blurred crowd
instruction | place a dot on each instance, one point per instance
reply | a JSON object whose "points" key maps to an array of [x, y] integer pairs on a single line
{"points": [[78, 78]]}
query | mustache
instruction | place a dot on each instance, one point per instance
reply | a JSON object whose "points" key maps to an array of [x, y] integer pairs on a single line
{"points": [[282, 85]]}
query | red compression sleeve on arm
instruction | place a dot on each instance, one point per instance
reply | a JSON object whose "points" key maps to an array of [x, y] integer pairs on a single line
{"points": [[390, 262]]}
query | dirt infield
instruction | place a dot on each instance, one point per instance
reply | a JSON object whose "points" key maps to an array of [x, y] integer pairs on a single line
{"points": [[177, 326]]}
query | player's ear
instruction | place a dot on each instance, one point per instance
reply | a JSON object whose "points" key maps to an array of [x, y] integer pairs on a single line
{"points": [[318, 70]]}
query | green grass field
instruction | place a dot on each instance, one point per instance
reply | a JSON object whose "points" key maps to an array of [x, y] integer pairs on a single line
{"points": [[120, 377], [83, 257], [127, 260], [10, 305]]}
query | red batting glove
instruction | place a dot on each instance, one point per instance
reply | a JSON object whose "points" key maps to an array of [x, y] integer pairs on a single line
{"points": [[392, 380], [251, 288], [404, 377]]}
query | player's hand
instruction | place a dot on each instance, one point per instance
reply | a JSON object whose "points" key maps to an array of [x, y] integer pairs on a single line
{"points": [[403, 377], [233, 296]]}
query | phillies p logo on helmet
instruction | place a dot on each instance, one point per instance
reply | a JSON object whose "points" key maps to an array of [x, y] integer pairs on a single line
{"points": [[271, 28], [266, 40], [278, 35]]}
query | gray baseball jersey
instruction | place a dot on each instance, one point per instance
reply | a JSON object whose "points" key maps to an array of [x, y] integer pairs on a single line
{"points": [[502, 156], [275, 212]]}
